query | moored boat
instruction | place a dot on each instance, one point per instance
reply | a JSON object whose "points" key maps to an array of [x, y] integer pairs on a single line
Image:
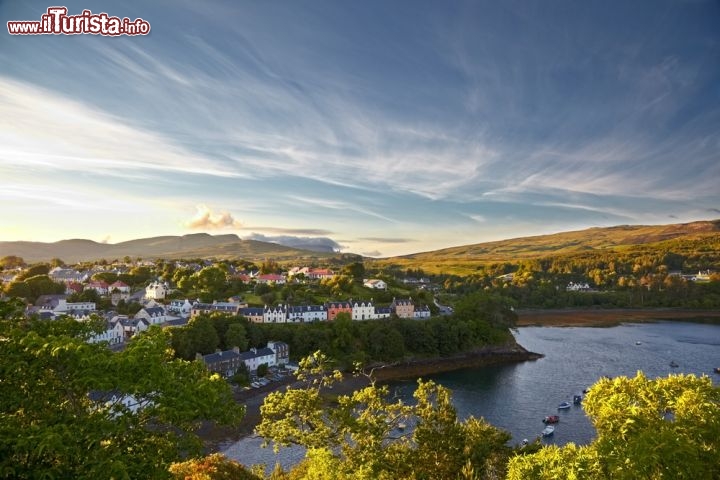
{"points": [[547, 431], [577, 399], [551, 419], [673, 364], [564, 405]]}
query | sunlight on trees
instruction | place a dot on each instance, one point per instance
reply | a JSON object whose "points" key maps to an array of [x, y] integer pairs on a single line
{"points": [[666, 428]]}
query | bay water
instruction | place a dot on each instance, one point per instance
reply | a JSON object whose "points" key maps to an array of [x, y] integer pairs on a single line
{"points": [[516, 397]]}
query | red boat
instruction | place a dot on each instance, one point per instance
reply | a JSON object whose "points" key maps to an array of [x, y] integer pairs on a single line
{"points": [[551, 419]]}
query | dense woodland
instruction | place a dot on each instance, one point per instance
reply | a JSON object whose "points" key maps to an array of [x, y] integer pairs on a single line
{"points": [[479, 320]]}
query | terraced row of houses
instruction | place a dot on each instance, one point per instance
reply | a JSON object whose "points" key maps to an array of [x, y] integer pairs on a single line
{"points": [[227, 362], [358, 310]]}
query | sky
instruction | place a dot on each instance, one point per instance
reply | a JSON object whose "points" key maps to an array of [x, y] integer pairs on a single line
{"points": [[376, 127]]}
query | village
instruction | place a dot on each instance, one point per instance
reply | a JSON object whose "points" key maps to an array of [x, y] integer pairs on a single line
{"points": [[159, 303]]}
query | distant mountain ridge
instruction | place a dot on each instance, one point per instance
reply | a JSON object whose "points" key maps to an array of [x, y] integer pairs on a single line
{"points": [[197, 245], [465, 258], [203, 245]]}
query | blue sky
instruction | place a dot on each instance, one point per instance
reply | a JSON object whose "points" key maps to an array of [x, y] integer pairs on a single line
{"points": [[389, 127]]}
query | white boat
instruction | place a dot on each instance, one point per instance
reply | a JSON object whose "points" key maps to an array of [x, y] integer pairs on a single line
{"points": [[564, 405], [547, 431]]}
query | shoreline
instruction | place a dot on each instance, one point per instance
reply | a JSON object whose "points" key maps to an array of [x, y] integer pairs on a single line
{"points": [[218, 438], [590, 317]]}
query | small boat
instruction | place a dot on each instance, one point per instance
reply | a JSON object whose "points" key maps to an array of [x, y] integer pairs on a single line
{"points": [[564, 405], [717, 369], [638, 343], [551, 419], [673, 364], [547, 431], [577, 399]]}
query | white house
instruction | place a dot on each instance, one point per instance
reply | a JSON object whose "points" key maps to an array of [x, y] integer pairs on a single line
{"points": [[363, 310], [181, 307], [153, 315], [277, 314], [257, 356], [422, 312], [121, 287], [282, 351], [133, 326], [307, 313], [114, 334], [577, 287], [232, 308], [271, 279], [66, 275], [115, 401], [157, 290], [100, 287], [59, 304], [319, 273], [375, 283]]}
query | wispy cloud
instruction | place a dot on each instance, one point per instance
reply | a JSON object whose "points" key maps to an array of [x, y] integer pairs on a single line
{"points": [[338, 205], [44, 129], [206, 219]]}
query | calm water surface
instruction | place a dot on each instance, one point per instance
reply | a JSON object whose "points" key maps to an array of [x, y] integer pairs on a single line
{"points": [[516, 397]]}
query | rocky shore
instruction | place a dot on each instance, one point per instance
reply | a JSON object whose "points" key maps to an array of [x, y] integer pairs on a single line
{"points": [[476, 358]]}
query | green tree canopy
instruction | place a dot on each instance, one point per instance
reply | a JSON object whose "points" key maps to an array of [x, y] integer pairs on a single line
{"points": [[666, 428], [62, 413]]}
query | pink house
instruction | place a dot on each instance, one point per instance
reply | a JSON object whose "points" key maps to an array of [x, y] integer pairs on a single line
{"points": [[334, 308]]}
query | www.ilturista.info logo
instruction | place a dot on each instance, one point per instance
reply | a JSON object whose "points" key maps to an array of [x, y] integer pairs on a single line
{"points": [[57, 22]]}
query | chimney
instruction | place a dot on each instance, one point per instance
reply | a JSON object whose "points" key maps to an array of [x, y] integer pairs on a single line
{"points": [[236, 349], [198, 356]]}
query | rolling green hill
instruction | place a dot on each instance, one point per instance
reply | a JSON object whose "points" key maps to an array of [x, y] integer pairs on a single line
{"points": [[199, 245], [465, 259]]}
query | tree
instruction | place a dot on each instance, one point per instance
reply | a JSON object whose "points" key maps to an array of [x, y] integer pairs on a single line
{"points": [[236, 336], [56, 262], [35, 270], [366, 436], [662, 428], [356, 270], [262, 370], [270, 266], [12, 261], [212, 467], [61, 408], [33, 287]]}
